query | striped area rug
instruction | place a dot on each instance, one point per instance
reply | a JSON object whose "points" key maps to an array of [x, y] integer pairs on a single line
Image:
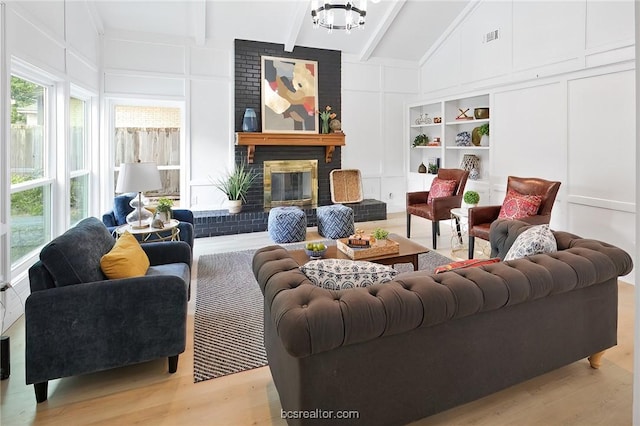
{"points": [[228, 329]]}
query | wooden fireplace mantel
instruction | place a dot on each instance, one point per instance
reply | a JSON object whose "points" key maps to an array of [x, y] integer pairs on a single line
{"points": [[251, 140]]}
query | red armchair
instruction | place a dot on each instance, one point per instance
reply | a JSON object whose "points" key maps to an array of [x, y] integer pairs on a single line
{"points": [[480, 218], [440, 208]]}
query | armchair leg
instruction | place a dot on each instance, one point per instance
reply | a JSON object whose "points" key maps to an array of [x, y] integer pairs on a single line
{"points": [[173, 364], [434, 232], [41, 391], [438, 227], [408, 225], [472, 241]]}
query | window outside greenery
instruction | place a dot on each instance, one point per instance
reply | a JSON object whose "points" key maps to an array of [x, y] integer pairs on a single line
{"points": [[30, 188]]}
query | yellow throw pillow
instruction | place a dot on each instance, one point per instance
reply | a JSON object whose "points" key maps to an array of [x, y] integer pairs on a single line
{"points": [[126, 259]]}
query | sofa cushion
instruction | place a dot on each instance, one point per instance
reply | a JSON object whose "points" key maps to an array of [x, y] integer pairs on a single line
{"points": [[517, 206], [461, 264], [121, 207], [441, 188], [74, 257], [126, 259], [339, 274], [535, 240]]}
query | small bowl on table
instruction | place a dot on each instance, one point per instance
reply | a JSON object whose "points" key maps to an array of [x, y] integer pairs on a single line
{"points": [[315, 254]]}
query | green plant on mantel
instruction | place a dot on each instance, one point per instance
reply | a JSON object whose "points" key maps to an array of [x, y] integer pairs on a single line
{"points": [[421, 140]]}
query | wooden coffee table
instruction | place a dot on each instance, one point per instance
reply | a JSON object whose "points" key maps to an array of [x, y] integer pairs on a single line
{"points": [[409, 251]]}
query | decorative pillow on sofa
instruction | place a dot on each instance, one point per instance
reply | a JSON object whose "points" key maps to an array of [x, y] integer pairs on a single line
{"points": [[465, 264], [441, 188], [535, 240], [517, 206], [339, 274], [121, 207], [126, 259]]}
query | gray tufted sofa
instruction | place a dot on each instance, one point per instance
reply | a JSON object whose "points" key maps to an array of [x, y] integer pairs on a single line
{"points": [[423, 343], [79, 322]]}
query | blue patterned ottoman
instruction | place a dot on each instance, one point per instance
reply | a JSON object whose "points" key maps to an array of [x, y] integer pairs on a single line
{"points": [[287, 224], [335, 221]]}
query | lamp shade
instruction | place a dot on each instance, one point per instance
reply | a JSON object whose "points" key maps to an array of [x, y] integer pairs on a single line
{"points": [[138, 177]]}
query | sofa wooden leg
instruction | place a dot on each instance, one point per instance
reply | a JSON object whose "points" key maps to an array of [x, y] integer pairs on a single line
{"points": [[472, 241], [173, 364], [434, 232], [41, 391], [596, 359], [408, 225]]}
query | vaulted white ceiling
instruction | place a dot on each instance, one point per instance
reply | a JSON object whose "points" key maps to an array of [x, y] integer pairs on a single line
{"points": [[395, 29]]}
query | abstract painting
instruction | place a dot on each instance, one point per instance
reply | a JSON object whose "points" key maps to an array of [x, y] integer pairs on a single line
{"points": [[289, 95]]}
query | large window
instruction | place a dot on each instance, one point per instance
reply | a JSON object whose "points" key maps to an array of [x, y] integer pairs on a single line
{"points": [[31, 181], [78, 160]]}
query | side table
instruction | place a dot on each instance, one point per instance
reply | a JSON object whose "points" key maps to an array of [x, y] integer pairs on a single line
{"points": [[170, 232], [459, 228]]}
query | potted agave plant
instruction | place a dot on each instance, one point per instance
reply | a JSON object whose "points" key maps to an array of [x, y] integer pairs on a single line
{"points": [[235, 186]]}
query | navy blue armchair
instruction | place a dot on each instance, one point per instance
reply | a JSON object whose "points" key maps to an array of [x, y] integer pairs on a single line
{"points": [[77, 321], [121, 208]]}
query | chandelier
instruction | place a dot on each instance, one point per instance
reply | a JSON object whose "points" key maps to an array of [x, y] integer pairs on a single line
{"points": [[339, 15]]}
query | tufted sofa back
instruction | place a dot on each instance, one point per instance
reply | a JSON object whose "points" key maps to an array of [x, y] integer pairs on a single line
{"points": [[310, 320]]}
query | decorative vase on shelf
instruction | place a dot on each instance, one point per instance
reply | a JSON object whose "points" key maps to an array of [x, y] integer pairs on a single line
{"points": [[249, 121], [422, 168]]}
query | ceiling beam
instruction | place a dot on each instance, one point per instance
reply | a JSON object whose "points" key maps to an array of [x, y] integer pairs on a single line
{"points": [[381, 30], [298, 19], [95, 17], [198, 12]]}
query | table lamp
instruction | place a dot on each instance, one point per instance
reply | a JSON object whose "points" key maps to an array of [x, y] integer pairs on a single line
{"points": [[138, 177]]}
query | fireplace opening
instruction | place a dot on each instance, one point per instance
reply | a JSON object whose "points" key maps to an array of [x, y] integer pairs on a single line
{"points": [[290, 183]]}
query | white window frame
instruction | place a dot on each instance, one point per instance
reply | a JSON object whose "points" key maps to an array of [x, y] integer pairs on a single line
{"points": [[87, 98]]}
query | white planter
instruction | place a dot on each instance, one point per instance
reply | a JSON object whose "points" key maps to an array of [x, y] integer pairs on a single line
{"points": [[234, 206], [468, 206], [165, 217], [484, 140]]}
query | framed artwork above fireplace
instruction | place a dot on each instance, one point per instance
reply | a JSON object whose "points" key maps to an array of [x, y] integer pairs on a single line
{"points": [[289, 95]]}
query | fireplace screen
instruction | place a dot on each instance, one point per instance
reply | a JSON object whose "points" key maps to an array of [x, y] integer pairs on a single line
{"points": [[290, 183]]}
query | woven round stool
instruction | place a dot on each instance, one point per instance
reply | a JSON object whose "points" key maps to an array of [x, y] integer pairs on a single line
{"points": [[287, 224], [335, 221]]}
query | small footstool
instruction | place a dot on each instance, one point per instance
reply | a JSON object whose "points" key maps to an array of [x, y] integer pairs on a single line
{"points": [[335, 221], [287, 224]]}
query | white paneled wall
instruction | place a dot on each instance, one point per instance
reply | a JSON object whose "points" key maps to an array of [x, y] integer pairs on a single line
{"points": [[562, 82]]}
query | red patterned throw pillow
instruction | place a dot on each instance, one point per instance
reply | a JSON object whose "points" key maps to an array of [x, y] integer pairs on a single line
{"points": [[517, 206], [441, 188], [465, 264]]}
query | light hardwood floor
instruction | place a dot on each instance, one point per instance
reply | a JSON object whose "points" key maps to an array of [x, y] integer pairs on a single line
{"points": [[146, 394]]}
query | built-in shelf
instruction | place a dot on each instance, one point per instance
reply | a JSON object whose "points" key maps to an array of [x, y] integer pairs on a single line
{"points": [[253, 139]]}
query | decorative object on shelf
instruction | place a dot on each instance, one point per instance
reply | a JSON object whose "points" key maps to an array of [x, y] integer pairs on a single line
{"points": [[471, 199], [335, 125], [471, 163], [420, 140], [325, 116], [483, 131], [138, 177], [163, 209], [475, 136], [422, 168], [351, 12], [235, 186], [437, 120], [434, 166], [434, 142], [463, 139], [419, 119], [463, 114], [481, 113], [427, 119], [249, 121], [288, 108]]}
